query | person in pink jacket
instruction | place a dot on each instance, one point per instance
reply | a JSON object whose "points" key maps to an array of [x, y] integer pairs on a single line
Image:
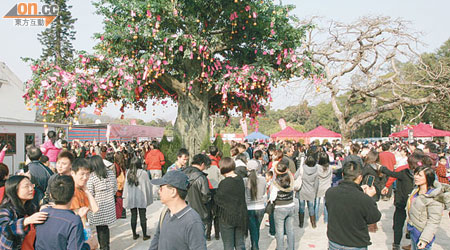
{"points": [[2, 153], [49, 149]]}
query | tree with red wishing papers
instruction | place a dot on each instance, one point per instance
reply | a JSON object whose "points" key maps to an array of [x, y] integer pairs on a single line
{"points": [[211, 57]]}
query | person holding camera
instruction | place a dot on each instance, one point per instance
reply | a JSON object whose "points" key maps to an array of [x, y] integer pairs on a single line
{"points": [[350, 198]]}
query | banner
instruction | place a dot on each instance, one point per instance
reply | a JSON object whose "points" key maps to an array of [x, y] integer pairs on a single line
{"points": [[243, 123], [282, 123]]}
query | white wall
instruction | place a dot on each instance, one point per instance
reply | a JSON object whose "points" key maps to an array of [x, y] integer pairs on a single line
{"points": [[11, 100]]}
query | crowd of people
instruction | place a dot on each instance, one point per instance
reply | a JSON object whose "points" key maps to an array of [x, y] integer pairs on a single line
{"points": [[68, 188]]}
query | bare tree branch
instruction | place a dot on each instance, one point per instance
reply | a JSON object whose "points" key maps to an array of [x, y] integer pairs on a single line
{"points": [[367, 59]]}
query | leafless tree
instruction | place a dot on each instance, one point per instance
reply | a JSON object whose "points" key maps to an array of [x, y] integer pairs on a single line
{"points": [[367, 60]]}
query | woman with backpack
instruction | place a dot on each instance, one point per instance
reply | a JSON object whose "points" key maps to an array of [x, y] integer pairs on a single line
{"points": [[282, 196]]}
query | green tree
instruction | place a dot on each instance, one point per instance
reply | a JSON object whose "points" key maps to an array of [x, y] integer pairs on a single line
{"points": [[205, 144], [226, 150], [218, 142], [438, 70], [322, 114], [57, 39], [211, 57]]}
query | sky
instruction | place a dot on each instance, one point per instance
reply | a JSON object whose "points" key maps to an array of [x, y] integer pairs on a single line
{"points": [[429, 17]]}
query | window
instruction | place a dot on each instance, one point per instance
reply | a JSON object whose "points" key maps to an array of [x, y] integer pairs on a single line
{"points": [[10, 141]]}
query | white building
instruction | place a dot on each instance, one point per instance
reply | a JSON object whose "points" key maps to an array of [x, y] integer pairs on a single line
{"points": [[17, 125]]}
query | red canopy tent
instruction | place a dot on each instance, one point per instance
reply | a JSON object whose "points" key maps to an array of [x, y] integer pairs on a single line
{"points": [[288, 133], [322, 132], [421, 130]]}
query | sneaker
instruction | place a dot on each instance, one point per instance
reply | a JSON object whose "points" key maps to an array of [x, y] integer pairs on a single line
{"points": [[146, 237]]}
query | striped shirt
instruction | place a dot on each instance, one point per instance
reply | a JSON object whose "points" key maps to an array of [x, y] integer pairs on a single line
{"points": [[12, 231]]}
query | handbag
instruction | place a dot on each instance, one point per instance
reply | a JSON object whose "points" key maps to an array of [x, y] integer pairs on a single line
{"points": [[120, 181], [298, 181], [30, 237], [119, 207], [270, 207]]}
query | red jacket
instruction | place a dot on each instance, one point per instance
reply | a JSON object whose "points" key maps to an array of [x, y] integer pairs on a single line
{"points": [[391, 180], [214, 160], [387, 159], [154, 159]]}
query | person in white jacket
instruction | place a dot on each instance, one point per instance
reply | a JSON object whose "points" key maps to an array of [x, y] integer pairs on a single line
{"points": [[324, 174]]}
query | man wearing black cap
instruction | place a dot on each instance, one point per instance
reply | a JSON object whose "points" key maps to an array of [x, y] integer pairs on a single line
{"points": [[180, 226]]}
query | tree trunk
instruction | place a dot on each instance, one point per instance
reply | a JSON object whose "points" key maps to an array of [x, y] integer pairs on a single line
{"points": [[192, 123], [346, 133], [381, 129]]}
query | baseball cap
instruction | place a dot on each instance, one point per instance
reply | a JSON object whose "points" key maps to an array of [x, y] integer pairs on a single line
{"points": [[175, 178]]}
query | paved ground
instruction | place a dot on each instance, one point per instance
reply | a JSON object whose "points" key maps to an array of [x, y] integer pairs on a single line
{"points": [[306, 238]]}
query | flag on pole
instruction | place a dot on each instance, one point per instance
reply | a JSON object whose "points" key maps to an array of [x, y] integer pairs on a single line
{"points": [[282, 123], [243, 123]]}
